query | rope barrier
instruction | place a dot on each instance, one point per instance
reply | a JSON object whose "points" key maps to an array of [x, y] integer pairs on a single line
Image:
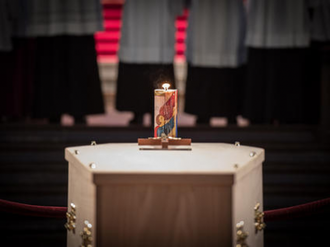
{"points": [[302, 210], [299, 211], [32, 210]]}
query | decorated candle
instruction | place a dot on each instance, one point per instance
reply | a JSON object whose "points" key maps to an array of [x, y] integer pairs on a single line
{"points": [[166, 111]]}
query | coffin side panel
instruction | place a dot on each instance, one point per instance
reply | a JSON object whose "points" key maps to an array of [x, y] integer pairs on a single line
{"points": [[82, 193], [247, 192], [164, 215]]}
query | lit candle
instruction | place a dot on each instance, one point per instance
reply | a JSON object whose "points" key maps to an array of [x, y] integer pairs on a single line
{"points": [[166, 111]]}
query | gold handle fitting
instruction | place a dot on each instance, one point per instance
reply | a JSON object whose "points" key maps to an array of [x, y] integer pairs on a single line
{"points": [[70, 225], [241, 235], [258, 219], [86, 235]]}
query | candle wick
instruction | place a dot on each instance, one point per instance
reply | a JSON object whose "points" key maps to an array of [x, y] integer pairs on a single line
{"points": [[166, 86]]}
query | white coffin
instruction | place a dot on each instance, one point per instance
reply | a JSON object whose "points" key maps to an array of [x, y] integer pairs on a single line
{"points": [[135, 197]]}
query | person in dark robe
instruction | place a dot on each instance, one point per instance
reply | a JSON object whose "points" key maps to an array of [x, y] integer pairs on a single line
{"points": [[146, 53], [216, 57]]}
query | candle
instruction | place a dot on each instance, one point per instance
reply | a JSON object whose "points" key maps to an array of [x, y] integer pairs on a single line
{"points": [[166, 111]]}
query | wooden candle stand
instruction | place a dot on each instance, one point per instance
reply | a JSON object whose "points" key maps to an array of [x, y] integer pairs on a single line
{"points": [[164, 143]]}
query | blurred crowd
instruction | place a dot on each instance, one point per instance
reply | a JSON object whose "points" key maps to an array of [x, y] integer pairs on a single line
{"points": [[261, 59]]}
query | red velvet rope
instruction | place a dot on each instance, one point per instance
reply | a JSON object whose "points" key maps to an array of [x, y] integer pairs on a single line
{"points": [[270, 215], [32, 210], [299, 211]]}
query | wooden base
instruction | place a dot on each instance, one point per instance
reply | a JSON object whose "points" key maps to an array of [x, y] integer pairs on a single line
{"points": [[164, 143]]}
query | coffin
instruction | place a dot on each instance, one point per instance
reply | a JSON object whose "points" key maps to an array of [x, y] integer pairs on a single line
{"points": [[119, 195]]}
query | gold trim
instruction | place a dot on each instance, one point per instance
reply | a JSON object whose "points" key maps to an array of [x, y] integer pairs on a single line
{"points": [[259, 223], [241, 235], [70, 225], [86, 235]]}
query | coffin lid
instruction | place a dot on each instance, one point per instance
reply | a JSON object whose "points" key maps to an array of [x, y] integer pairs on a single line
{"points": [[206, 162]]}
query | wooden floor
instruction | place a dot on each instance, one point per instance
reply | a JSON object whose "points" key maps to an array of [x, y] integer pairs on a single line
{"points": [[33, 170]]}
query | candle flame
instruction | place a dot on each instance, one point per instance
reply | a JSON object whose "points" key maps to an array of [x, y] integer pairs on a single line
{"points": [[166, 86]]}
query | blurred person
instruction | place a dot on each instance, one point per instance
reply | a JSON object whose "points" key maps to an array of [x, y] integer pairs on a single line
{"points": [[67, 78], [146, 53], [215, 55], [317, 57], [50, 67], [278, 37], [17, 61]]}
